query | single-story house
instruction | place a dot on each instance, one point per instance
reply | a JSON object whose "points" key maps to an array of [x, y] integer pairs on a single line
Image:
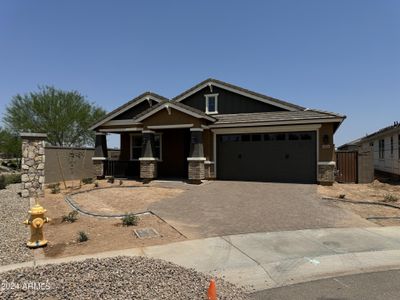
{"points": [[216, 130], [385, 144]]}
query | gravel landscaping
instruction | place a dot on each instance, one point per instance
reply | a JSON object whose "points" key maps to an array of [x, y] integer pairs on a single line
{"points": [[13, 211], [113, 278]]}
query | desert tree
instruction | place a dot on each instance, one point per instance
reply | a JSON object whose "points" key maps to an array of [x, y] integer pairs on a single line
{"points": [[64, 115]]}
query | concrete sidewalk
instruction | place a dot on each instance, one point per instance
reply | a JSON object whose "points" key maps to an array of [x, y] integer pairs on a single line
{"points": [[260, 261]]}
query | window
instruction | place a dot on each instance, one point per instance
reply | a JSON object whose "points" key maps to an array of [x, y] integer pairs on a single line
{"points": [[293, 136], [391, 146], [381, 149], [136, 146], [212, 104]]}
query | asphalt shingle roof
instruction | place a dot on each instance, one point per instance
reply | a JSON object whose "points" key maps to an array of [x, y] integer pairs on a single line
{"points": [[274, 116], [229, 85]]}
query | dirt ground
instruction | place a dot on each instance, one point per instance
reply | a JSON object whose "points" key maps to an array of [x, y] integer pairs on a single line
{"points": [[122, 200], [371, 192], [374, 191], [104, 234]]}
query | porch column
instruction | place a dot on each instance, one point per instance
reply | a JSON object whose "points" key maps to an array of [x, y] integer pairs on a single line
{"points": [[100, 155], [196, 157], [148, 163]]}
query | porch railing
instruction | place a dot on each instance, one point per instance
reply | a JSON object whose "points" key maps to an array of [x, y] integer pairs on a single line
{"points": [[121, 168]]}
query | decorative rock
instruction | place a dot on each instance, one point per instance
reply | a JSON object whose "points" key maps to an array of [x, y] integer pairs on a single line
{"points": [[24, 178], [32, 164]]}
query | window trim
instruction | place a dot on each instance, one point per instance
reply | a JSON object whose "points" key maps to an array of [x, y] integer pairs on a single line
{"points": [[391, 146], [381, 149], [140, 134], [207, 96]]}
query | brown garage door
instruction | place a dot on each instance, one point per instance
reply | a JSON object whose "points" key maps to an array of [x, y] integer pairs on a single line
{"points": [[275, 157]]}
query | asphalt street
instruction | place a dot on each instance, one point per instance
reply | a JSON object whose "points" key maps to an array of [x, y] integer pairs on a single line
{"points": [[377, 285]]}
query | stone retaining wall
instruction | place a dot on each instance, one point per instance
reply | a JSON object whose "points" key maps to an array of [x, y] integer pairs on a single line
{"points": [[32, 164]]}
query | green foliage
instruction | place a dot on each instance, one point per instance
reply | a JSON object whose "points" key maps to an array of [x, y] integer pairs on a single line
{"points": [[111, 179], [54, 187], [71, 217], [64, 115], [82, 237], [2, 182], [390, 198], [9, 179], [87, 180], [10, 143], [130, 220], [12, 178]]}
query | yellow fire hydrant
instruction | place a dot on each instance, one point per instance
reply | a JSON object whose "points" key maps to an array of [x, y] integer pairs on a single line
{"points": [[36, 222]]}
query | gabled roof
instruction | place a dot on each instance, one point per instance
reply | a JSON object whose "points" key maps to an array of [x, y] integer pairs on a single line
{"points": [[128, 105], [307, 116], [178, 106], [239, 90]]}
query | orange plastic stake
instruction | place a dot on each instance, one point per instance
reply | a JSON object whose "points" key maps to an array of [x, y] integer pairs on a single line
{"points": [[212, 291]]}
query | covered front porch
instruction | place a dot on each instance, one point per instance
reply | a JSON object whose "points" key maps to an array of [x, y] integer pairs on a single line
{"points": [[169, 143]]}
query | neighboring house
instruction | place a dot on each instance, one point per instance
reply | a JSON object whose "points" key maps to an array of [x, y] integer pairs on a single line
{"points": [[385, 144], [222, 131]]}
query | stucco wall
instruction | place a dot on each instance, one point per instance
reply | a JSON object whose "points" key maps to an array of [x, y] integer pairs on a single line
{"points": [[326, 151], [391, 162], [76, 163]]}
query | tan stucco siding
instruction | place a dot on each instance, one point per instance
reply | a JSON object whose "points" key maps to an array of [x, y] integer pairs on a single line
{"points": [[176, 117], [326, 152]]}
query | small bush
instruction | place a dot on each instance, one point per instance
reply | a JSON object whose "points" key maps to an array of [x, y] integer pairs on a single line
{"points": [[390, 198], [54, 187], [82, 237], [342, 196], [96, 184], [13, 178], [9, 179], [121, 182], [111, 179], [130, 220], [2, 182], [87, 180], [71, 217]]}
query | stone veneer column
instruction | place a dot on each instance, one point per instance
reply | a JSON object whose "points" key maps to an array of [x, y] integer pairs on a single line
{"points": [[196, 158], [326, 172], [100, 155], [148, 163], [32, 164]]}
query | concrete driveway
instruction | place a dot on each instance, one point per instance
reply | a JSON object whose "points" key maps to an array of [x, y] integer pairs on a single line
{"points": [[218, 208]]}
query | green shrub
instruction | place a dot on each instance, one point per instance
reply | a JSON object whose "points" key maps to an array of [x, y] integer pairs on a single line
{"points": [[54, 187], [2, 182], [13, 178], [71, 217], [342, 196], [96, 184], [111, 179], [121, 182], [82, 237], [130, 220], [390, 198], [87, 180], [9, 179]]}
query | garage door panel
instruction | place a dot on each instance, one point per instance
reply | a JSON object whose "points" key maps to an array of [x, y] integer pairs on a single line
{"points": [[267, 160]]}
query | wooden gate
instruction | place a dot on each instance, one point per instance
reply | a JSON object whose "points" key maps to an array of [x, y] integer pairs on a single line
{"points": [[347, 166]]}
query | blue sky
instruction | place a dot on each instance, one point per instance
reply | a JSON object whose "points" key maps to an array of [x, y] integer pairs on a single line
{"points": [[341, 56]]}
